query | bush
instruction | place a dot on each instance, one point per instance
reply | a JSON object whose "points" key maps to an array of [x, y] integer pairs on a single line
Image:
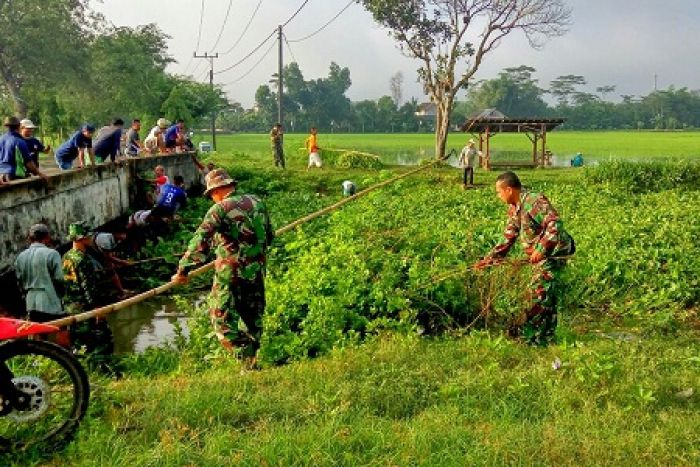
{"points": [[358, 160], [646, 176]]}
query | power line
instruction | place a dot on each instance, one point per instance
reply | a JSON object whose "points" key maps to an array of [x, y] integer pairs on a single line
{"points": [[295, 13], [325, 25], [267, 52], [201, 19], [264, 41], [290, 48], [221, 32], [244, 29], [249, 54], [199, 36]]}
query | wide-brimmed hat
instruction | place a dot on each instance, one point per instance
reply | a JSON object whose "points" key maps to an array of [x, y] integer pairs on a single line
{"points": [[163, 123], [77, 230], [11, 121], [26, 123], [217, 178], [471, 141]]}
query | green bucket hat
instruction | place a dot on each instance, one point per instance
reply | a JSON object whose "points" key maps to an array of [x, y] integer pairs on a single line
{"points": [[77, 230]]}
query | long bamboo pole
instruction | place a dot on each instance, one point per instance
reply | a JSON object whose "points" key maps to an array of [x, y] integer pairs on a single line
{"points": [[108, 309]]}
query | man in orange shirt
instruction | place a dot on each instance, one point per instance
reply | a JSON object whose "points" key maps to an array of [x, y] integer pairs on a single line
{"points": [[312, 146]]}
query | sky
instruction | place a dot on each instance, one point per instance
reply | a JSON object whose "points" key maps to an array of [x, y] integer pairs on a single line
{"points": [[609, 42]]}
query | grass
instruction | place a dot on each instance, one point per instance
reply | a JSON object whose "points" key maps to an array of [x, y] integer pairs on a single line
{"points": [[624, 394], [601, 145], [397, 400]]}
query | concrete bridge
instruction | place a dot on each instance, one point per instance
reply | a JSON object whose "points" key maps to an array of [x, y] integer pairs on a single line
{"points": [[96, 195]]}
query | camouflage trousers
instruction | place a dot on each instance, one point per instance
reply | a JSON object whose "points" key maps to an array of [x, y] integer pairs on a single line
{"points": [[236, 308], [278, 153], [538, 323], [94, 339]]}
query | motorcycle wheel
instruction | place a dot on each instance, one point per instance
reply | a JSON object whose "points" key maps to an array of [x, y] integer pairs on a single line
{"points": [[59, 391]]}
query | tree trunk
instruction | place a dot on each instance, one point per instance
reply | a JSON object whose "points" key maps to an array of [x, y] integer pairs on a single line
{"points": [[442, 125], [13, 89]]}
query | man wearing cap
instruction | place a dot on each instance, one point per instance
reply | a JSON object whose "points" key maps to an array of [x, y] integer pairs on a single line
{"points": [[15, 158], [108, 142], [26, 129], [40, 277], [238, 229], [84, 278], [175, 135], [75, 147], [154, 141], [467, 160]]}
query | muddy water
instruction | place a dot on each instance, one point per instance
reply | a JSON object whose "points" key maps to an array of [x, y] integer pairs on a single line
{"points": [[146, 324]]}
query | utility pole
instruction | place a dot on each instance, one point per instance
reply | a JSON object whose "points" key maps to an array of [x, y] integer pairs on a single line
{"points": [[279, 77], [211, 58]]}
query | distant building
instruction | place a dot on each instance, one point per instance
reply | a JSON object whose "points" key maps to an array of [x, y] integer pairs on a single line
{"points": [[426, 110]]}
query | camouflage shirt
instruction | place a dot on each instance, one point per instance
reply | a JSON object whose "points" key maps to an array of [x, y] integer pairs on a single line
{"points": [[238, 229], [539, 223], [84, 280], [275, 138]]}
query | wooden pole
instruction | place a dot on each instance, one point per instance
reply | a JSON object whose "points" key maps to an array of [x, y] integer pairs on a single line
{"points": [[108, 309]]}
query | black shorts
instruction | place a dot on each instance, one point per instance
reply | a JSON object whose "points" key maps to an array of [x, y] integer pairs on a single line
{"points": [[170, 143]]}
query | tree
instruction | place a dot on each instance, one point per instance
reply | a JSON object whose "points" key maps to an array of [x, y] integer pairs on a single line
{"points": [[515, 93], [605, 90], [396, 87], [563, 88], [438, 33], [41, 43]]}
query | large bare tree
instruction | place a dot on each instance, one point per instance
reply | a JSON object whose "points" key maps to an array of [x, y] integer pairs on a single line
{"points": [[451, 38]]}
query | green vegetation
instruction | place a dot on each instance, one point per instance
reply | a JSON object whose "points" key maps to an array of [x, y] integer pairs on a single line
{"points": [[411, 369], [598, 144]]}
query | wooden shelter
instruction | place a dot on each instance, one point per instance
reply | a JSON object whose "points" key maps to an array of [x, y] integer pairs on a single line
{"points": [[491, 122]]}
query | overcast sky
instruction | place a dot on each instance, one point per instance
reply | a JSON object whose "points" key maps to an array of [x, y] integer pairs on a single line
{"points": [[610, 42]]}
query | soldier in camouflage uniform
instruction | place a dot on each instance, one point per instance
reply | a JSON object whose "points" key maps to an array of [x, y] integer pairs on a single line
{"points": [[547, 244], [87, 286], [276, 135], [238, 229]]}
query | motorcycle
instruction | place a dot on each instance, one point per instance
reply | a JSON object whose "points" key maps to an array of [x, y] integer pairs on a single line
{"points": [[44, 390]]}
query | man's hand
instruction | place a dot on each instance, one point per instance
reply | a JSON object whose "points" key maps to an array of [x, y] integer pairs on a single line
{"points": [[536, 256], [179, 278]]}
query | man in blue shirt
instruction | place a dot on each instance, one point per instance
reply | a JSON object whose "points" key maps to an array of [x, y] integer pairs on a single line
{"points": [[26, 129], [15, 158], [175, 135], [108, 141], [172, 197], [75, 148]]}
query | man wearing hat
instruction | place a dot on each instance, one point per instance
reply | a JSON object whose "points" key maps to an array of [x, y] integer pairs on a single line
{"points": [[75, 148], [26, 129], [15, 158], [238, 229], [154, 141], [40, 277], [467, 160], [85, 280]]}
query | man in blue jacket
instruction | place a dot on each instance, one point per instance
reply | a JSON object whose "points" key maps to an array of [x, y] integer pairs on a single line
{"points": [[15, 158], [75, 147]]}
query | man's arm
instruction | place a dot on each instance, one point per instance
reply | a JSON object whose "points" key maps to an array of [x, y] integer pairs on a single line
{"points": [[510, 235], [56, 272], [198, 247], [548, 218]]}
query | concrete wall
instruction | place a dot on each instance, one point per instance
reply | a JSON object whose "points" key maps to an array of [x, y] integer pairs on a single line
{"points": [[96, 195]]}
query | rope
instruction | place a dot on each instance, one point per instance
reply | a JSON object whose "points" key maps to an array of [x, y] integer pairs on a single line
{"points": [[108, 309]]}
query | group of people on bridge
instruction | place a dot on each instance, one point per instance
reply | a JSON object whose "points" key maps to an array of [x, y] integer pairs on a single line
{"points": [[20, 149]]}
